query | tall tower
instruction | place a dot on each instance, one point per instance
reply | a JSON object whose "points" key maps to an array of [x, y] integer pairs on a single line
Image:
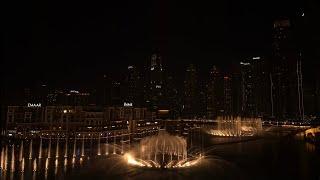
{"points": [[214, 93], [227, 94], [190, 108], [155, 85], [248, 105], [284, 72], [133, 86]]}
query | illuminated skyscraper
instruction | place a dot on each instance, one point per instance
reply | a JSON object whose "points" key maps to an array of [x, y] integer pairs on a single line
{"points": [[227, 95], [285, 73], [173, 98], [248, 105], [155, 86], [191, 98], [133, 86], [255, 94], [214, 93]]}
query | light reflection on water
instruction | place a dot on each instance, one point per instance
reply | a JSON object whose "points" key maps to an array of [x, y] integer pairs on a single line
{"points": [[235, 158]]}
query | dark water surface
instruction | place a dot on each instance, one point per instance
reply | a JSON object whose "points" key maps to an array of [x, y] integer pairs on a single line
{"points": [[272, 156]]}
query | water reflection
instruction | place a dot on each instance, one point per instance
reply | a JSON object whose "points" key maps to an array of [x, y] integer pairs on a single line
{"points": [[310, 147], [72, 159]]}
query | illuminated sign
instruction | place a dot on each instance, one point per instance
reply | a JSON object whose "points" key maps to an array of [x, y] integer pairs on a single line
{"points": [[125, 104], [245, 64], [74, 91], [254, 58], [34, 104]]}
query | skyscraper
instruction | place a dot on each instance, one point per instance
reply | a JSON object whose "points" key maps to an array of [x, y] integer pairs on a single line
{"points": [[214, 93], [248, 105], [173, 98], [285, 72], [190, 105], [255, 86], [227, 95], [133, 86], [155, 86]]}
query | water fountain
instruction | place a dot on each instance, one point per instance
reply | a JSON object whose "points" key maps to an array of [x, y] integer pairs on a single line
{"points": [[5, 158], [162, 151], [82, 147], [107, 145], [49, 148], [35, 164], [114, 144], [47, 164], [30, 149], [12, 159], [22, 165], [99, 151], [74, 147], [57, 148], [237, 126], [40, 149], [122, 143], [66, 149], [21, 152], [2, 158]]}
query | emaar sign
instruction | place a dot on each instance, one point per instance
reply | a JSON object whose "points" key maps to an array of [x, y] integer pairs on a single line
{"points": [[34, 104]]}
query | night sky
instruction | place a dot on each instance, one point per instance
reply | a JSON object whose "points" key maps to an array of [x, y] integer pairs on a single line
{"points": [[65, 42]]}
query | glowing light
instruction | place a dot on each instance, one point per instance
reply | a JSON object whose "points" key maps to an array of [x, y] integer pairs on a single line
{"points": [[47, 164], [245, 64], [163, 110], [74, 91], [34, 104], [125, 104], [35, 165], [132, 161]]}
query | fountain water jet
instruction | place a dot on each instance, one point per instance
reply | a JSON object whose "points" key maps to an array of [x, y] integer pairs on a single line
{"points": [[2, 158], [114, 144], [21, 151], [47, 164], [35, 164], [99, 151], [49, 148], [57, 148], [237, 126], [30, 150], [40, 149], [161, 151], [65, 164], [12, 159], [5, 158], [66, 149], [22, 165], [107, 145], [74, 147], [82, 147], [122, 143]]}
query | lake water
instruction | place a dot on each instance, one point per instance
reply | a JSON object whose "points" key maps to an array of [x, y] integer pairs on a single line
{"points": [[274, 155]]}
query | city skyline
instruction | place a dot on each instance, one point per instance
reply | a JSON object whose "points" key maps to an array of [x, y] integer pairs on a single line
{"points": [[224, 89], [111, 40]]}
